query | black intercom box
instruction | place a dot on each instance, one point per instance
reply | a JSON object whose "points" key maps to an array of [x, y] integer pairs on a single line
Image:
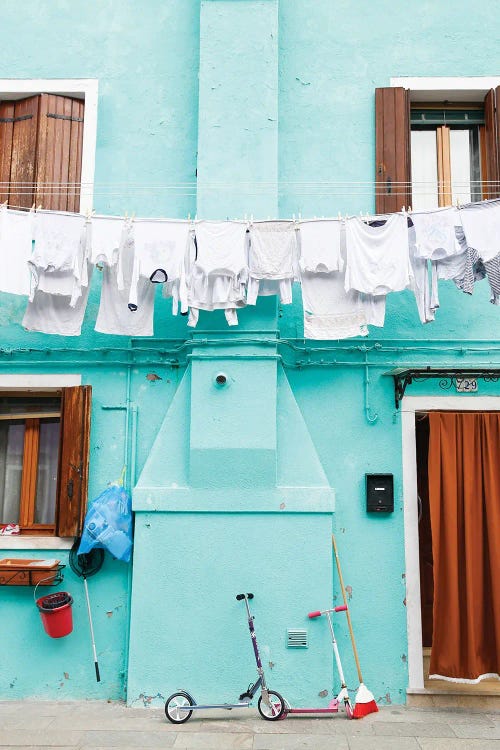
{"points": [[379, 493]]}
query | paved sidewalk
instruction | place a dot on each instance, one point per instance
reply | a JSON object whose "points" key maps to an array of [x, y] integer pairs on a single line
{"points": [[92, 726]]}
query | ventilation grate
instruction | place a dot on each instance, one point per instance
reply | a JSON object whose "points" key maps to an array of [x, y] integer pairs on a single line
{"points": [[296, 638]]}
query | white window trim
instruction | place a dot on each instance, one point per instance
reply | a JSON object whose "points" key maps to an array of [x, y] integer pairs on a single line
{"points": [[87, 88], [410, 405], [451, 88], [28, 383]]}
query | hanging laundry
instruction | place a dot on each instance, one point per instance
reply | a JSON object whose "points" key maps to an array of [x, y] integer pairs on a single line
{"points": [[16, 235], [473, 270], [273, 259], [377, 256], [435, 233], [329, 311], [115, 316], [426, 301], [106, 234], [320, 246], [218, 269], [481, 223], [62, 247], [53, 314], [161, 247], [435, 242]]}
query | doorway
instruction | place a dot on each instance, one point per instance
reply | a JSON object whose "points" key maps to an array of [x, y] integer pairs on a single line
{"points": [[456, 471]]}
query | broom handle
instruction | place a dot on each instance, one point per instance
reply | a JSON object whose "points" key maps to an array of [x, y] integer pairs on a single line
{"points": [[354, 649]]}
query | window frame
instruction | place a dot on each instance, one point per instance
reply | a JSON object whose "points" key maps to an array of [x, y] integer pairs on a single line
{"points": [[79, 88], [43, 385]]}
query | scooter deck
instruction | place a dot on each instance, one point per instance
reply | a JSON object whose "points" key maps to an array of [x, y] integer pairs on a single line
{"points": [[227, 706], [313, 710]]}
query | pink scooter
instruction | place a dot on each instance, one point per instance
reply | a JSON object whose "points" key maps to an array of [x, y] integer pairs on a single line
{"points": [[343, 696]]}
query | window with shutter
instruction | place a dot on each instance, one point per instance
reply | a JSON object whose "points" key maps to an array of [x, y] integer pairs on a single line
{"points": [[44, 449], [41, 139], [432, 156]]}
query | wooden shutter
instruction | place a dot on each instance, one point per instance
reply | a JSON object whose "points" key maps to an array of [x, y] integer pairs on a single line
{"points": [[60, 140], [491, 188], [392, 146], [72, 484], [41, 141], [18, 146], [6, 130]]}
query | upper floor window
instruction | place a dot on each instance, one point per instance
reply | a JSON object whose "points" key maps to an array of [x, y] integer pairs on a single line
{"points": [[436, 153], [447, 150], [41, 140], [48, 133], [44, 445]]}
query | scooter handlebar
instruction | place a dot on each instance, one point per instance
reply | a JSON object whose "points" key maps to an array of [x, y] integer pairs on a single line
{"points": [[340, 608], [239, 597]]}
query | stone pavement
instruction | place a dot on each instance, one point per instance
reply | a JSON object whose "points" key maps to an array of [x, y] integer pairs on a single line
{"points": [[92, 725]]}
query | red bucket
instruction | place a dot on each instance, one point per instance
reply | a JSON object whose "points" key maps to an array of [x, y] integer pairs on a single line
{"points": [[55, 611]]}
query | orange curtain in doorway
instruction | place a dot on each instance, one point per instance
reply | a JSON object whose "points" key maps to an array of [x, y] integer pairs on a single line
{"points": [[464, 496]]}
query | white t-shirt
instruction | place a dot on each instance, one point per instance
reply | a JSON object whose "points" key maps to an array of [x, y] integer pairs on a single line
{"points": [[377, 256], [273, 250], [435, 236], [481, 222], [320, 245], [329, 311], [16, 234], [106, 235], [221, 248], [115, 316], [53, 314], [160, 254], [57, 240]]}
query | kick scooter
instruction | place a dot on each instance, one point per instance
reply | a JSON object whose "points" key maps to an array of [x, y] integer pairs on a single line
{"points": [[343, 696], [271, 705]]}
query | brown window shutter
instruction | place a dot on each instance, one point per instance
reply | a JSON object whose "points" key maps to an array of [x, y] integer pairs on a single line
{"points": [[72, 484], [18, 138], [59, 157], [492, 144], [6, 131], [392, 147]]}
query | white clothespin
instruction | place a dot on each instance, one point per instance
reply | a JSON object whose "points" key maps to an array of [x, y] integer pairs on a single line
{"points": [[300, 216], [293, 216], [189, 216], [403, 209]]}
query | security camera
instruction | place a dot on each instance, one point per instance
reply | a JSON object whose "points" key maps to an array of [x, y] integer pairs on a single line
{"points": [[220, 379]]}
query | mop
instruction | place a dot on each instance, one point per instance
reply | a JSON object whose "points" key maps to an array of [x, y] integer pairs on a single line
{"points": [[365, 702]]}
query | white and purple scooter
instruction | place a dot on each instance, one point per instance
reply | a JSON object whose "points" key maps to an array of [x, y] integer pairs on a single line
{"points": [[271, 705]]}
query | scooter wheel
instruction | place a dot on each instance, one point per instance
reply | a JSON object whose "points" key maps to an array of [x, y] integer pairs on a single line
{"points": [[177, 707], [277, 708]]}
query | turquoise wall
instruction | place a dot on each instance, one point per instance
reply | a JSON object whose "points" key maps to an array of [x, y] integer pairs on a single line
{"points": [[170, 103]]}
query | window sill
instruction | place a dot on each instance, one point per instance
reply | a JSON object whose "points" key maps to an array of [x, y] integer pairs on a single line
{"points": [[35, 542]]}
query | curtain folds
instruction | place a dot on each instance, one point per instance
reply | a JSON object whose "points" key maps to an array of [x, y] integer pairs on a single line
{"points": [[464, 495]]}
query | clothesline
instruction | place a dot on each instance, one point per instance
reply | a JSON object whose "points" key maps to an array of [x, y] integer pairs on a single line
{"points": [[346, 265]]}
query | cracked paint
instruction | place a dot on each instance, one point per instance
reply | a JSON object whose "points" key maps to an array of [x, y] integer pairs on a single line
{"points": [[147, 700], [323, 693], [152, 376]]}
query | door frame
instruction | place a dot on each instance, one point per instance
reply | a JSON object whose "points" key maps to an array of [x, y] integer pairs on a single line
{"points": [[410, 405]]}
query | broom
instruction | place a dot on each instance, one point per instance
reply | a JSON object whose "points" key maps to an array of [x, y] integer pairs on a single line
{"points": [[365, 702]]}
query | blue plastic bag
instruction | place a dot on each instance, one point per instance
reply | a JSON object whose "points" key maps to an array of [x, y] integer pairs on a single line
{"points": [[108, 523]]}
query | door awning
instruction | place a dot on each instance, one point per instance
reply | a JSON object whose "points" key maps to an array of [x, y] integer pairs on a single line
{"points": [[448, 377]]}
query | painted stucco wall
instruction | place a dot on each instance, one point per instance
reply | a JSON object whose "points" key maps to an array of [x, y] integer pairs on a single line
{"points": [[157, 66]]}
